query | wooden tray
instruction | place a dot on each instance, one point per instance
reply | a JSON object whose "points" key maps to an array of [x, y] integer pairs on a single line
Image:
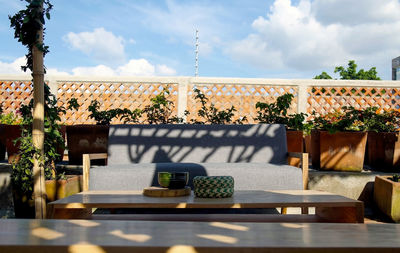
{"points": [[165, 192]]}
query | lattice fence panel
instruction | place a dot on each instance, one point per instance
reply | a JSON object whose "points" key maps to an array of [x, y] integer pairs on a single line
{"points": [[15, 93], [110, 95], [327, 99], [242, 97]]}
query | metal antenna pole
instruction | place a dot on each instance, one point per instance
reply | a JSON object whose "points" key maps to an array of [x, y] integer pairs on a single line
{"points": [[196, 66]]}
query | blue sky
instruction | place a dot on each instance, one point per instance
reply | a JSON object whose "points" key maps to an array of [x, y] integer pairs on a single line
{"points": [[238, 38]]}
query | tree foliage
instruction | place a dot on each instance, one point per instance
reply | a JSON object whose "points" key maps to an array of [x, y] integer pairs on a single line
{"points": [[351, 73], [27, 23], [323, 75]]}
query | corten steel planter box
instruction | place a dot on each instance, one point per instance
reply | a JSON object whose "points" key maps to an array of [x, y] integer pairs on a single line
{"points": [[295, 143], [387, 196], [24, 207], [12, 132], [341, 151], [2, 142], [383, 151], [86, 139], [315, 149]]}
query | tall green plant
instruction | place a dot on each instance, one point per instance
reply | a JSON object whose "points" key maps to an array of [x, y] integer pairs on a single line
{"points": [[26, 24], [22, 169], [211, 115], [160, 110], [277, 113]]}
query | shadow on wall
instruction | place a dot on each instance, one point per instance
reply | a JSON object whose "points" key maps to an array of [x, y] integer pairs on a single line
{"points": [[197, 144]]}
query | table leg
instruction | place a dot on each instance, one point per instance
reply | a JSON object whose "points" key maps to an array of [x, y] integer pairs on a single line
{"points": [[69, 213], [353, 214]]}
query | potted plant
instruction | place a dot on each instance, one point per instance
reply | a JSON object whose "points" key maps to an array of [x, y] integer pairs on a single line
{"points": [[387, 195], [339, 140], [277, 113], [10, 130], [88, 139], [22, 168], [209, 114], [383, 143], [2, 136], [158, 112]]}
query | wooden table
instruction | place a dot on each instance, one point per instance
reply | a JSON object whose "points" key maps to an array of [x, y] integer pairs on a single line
{"points": [[328, 207], [75, 236]]}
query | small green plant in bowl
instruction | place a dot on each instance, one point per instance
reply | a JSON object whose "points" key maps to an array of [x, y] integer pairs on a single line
{"points": [[395, 178]]}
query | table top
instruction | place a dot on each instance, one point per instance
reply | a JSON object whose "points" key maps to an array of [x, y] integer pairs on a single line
{"points": [[240, 199], [18, 235]]}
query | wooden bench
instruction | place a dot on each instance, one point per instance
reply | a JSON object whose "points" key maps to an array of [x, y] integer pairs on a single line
{"points": [[75, 236]]}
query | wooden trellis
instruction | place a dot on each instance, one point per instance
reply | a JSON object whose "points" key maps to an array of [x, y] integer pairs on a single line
{"points": [[109, 95], [326, 99], [132, 95], [242, 97], [15, 93]]}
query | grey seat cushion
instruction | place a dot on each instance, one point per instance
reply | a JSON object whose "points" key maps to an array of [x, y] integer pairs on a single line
{"points": [[261, 143], [247, 176]]}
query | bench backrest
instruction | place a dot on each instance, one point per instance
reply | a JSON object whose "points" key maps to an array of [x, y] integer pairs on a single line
{"points": [[197, 143]]}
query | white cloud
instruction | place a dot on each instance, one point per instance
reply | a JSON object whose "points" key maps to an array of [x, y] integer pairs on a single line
{"points": [[100, 44], [164, 70], [140, 67], [99, 70], [354, 12], [13, 67], [56, 72], [306, 37], [135, 67]]}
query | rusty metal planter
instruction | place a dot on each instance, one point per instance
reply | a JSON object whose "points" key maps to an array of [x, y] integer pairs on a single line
{"points": [[2, 142], [384, 151], [387, 197], [295, 143], [315, 149], [12, 132], [86, 139], [341, 151]]}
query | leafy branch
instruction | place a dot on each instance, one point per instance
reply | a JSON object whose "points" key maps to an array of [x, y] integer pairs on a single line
{"points": [[27, 23], [212, 115]]}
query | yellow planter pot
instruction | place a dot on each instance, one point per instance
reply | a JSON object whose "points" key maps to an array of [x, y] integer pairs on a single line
{"points": [[24, 206]]}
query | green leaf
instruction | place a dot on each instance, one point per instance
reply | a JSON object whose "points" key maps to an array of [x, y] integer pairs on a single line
{"points": [[26, 19]]}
